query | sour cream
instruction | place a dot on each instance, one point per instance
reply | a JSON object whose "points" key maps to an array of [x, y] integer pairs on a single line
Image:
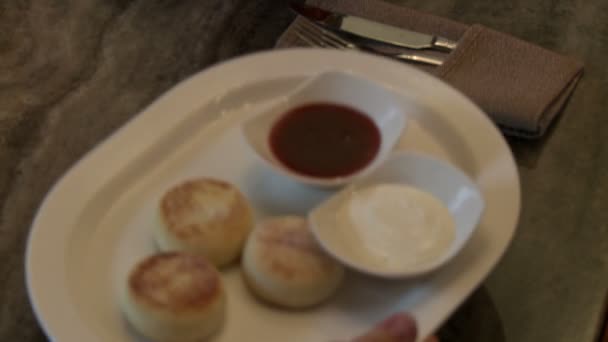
{"points": [[394, 226]]}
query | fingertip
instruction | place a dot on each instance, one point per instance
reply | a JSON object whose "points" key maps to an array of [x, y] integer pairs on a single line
{"points": [[400, 326]]}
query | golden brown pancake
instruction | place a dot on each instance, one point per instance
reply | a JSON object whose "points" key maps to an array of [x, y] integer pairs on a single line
{"points": [[283, 264], [174, 297], [204, 216]]}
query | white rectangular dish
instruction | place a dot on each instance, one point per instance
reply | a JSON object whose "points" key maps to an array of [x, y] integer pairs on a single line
{"points": [[95, 223]]}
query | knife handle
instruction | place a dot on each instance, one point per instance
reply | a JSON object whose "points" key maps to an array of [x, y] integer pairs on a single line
{"points": [[417, 59], [444, 44]]}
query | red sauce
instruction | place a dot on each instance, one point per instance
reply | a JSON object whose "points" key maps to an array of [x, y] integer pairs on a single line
{"points": [[325, 140]]}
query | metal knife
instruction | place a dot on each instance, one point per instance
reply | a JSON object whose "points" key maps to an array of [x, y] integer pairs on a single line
{"points": [[372, 30]]}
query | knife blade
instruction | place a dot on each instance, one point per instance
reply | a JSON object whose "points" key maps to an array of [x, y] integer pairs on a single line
{"points": [[371, 30]]}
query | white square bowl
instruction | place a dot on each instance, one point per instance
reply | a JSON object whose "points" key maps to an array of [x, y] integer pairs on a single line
{"points": [[334, 87], [451, 186]]}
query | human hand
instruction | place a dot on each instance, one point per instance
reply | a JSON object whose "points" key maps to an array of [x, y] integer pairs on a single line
{"points": [[400, 327]]}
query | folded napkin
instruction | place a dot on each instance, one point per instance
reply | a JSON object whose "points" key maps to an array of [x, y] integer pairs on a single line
{"points": [[521, 86]]}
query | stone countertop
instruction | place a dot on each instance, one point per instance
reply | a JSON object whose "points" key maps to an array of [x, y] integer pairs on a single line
{"points": [[71, 72]]}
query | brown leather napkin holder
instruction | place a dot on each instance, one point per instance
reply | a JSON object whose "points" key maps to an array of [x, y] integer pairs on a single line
{"points": [[521, 86]]}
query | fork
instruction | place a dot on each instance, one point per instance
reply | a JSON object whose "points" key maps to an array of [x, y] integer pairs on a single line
{"points": [[315, 35]]}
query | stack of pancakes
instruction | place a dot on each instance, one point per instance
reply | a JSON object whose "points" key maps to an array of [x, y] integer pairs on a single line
{"points": [[203, 226]]}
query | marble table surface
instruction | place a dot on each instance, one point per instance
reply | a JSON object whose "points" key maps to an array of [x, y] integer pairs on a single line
{"points": [[72, 71]]}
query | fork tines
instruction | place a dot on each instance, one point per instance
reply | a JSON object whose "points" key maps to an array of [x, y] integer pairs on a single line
{"points": [[315, 35]]}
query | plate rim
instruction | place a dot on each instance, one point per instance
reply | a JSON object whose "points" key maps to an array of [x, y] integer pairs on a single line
{"points": [[73, 183]]}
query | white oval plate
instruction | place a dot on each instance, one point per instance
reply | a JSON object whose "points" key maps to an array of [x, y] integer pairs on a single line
{"points": [[95, 222]]}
